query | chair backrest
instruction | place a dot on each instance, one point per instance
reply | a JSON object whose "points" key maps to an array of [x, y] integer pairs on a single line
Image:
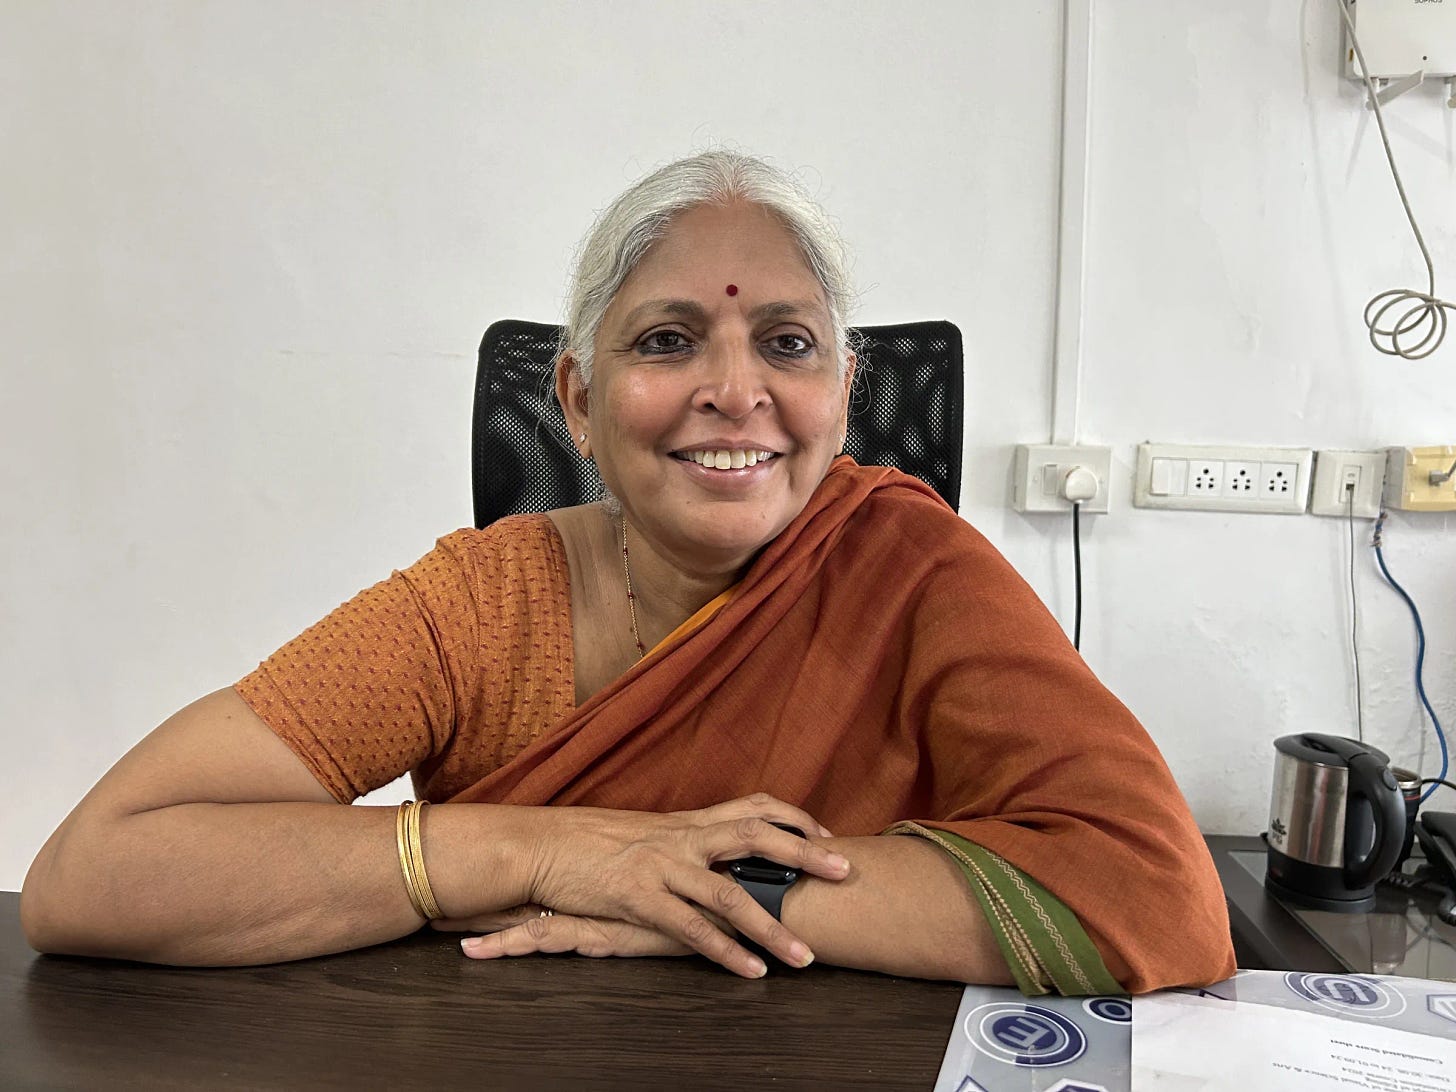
{"points": [[905, 412]]}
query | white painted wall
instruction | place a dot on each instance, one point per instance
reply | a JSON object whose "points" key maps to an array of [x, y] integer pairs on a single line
{"points": [[247, 251]]}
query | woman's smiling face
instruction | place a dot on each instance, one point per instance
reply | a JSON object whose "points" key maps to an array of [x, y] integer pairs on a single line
{"points": [[714, 412]]}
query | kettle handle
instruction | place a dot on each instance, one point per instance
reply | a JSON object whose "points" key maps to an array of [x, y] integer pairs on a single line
{"points": [[1372, 779]]}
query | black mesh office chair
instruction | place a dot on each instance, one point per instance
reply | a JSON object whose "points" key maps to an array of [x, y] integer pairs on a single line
{"points": [[905, 412]]}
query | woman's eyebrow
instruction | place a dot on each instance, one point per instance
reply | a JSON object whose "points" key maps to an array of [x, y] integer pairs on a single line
{"points": [[689, 309], [789, 309]]}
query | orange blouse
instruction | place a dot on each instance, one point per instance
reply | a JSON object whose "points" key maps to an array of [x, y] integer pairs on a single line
{"points": [[448, 669]]}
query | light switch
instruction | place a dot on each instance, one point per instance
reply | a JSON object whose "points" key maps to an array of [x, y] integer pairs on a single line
{"points": [[1169, 478], [1050, 479]]}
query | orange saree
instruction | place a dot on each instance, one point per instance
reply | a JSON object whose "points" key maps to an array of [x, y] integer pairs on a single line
{"points": [[882, 664]]}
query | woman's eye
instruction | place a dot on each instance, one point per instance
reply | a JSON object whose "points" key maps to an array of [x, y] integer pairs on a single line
{"points": [[662, 341], [793, 345]]}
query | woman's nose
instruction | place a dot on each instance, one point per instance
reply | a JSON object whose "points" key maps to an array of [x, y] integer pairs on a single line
{"points": [[733, 382]]}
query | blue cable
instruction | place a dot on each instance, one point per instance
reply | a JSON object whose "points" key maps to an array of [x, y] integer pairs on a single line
{"points": [[1420, 654]]}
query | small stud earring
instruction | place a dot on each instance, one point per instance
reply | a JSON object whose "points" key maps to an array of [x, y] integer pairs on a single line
{"points": [[582, 437]]}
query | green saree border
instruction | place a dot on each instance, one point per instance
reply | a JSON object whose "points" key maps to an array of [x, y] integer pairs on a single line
{"points": [[1041, 939]]}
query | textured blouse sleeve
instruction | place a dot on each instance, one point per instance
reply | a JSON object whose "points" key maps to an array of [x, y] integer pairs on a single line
{"points": [[373, 690]]}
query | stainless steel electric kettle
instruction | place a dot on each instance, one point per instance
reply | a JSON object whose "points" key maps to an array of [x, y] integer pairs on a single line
{"points": [[1336, 822]]}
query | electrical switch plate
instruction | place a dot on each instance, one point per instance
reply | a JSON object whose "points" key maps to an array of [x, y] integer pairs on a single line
{"points": [[1338, 474], [1223, 479], [1408, 484], [1041, 468]]}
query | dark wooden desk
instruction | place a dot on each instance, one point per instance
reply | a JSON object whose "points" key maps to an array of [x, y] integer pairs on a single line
{"points": [[1401, 935], [1266, 935], [416, 1014]]}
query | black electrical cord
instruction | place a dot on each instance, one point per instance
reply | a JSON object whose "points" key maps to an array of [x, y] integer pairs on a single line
{"points": [[1437, 781], [1077, 571]]}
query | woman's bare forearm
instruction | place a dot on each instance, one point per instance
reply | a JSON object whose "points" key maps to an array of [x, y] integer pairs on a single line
{"points": [[222, 884], [904, 909]]}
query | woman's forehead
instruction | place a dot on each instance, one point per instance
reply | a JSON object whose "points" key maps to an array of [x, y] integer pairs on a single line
{"points": [[708, 250]]}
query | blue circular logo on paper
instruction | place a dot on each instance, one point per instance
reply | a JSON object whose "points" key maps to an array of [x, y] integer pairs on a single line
{"points": [[1348, 994], [1114, 1010], [1024, 1035]]}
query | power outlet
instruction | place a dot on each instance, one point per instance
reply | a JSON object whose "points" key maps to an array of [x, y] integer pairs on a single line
{"points": [[1277, 480], [1223, 479], [1347, 483], [1205, 477], [1240, 479], [1040, 470]]}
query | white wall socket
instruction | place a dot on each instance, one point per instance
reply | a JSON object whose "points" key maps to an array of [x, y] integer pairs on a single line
{"points": [[1347, 483], [1223, 479], [1040, 470]]}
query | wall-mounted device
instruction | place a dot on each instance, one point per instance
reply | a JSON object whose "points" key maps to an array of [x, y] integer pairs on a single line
{"points": [[1421, 479], [1347, 483], [1404, 41]]}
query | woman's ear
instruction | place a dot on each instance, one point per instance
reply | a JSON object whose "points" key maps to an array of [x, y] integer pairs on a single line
{"points": [[850, 363], [572, 393]]}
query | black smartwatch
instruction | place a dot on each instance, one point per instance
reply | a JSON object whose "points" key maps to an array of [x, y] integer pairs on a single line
{"points": [[766, 880]]}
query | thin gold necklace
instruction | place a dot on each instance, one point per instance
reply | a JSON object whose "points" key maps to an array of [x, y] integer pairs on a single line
{"points": [[631, 599]]}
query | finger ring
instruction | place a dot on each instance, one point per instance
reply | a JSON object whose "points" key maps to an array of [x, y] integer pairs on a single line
{"points": [[548, 913]]}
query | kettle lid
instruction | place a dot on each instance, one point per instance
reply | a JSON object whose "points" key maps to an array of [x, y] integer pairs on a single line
{"points": [[1326, 750]]}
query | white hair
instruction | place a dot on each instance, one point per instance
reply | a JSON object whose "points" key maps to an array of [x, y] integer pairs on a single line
{"points": [[641, 215]]}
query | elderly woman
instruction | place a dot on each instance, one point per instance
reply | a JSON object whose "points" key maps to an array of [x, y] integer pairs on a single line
{"points": [[760, 703]]}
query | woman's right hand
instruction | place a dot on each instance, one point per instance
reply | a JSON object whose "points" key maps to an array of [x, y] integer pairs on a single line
{"points": [[657, 871]]}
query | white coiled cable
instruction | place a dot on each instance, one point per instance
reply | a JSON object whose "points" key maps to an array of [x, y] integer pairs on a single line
{"points": [[1396, 316]]}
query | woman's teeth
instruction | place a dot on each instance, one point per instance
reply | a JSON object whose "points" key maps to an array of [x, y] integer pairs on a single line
{"points": [[728, 460]]}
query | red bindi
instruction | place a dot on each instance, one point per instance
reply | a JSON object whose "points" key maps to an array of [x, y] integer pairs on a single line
{"points": [[732, 290]]}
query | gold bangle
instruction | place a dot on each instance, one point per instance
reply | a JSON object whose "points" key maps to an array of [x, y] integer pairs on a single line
{"points": [[406, 864], [417, 862], [427, 893]]}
